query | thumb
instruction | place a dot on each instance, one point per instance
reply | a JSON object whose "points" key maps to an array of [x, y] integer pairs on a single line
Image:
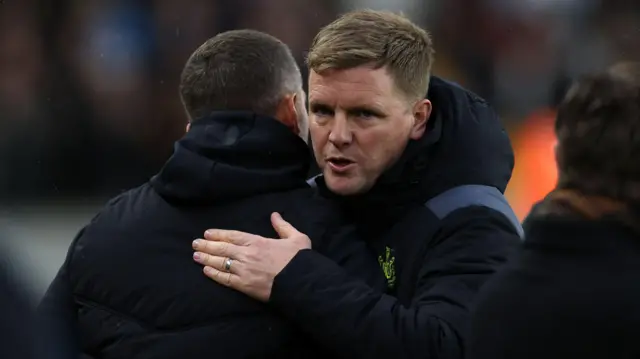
{"points": [[284, 228]]}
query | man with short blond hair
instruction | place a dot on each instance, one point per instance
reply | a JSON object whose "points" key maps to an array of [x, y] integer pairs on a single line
{"points": [[385, 49], [419, 165]]}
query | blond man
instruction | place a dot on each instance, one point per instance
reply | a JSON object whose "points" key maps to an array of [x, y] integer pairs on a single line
{"points": [[419, 165]]}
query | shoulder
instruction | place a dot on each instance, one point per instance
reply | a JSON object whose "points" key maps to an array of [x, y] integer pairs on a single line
{"points": [[138, 199], [478, 227], [126, 207], [472, 206], [104, 229], [474, 222], [471, 241]]}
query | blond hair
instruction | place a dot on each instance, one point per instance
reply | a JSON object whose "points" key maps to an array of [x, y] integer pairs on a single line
{"points": [[377, 38]]}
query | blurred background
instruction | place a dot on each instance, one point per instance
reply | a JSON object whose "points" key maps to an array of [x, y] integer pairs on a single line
{"points": [[89, 104]]}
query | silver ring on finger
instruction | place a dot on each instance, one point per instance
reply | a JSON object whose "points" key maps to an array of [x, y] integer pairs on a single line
{"points": [[227, 264]]}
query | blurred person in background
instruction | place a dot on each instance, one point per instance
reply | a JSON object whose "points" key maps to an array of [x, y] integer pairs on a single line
{"points": [[108, 48], [18, 325], [573, 292], [25, 122], [243, 157], [421, 178], [22, 334]]}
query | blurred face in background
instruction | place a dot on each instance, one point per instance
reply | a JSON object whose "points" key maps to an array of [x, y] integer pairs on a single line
{"points": [[360, 124]]}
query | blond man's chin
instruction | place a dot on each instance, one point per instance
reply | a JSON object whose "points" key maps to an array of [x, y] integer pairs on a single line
{"points": [[345, 186]]}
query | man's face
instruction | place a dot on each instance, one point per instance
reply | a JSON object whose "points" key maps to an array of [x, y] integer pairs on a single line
{"points": [[360, 124]]}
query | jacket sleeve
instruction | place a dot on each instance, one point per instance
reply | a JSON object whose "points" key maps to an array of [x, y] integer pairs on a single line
{"points": [[346, 316]]}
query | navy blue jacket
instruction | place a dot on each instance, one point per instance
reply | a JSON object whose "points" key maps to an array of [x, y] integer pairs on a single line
{"points": [[440, 227], [129, 287]]}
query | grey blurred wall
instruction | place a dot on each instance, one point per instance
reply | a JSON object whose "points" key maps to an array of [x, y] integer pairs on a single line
{"points": [[35, 240]]}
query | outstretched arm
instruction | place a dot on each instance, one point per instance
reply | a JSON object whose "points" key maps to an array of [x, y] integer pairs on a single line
{"points": [[346, 315]]}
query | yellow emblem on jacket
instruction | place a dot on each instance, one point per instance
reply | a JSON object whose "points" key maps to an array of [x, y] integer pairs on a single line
{"points": [[387, 263]]}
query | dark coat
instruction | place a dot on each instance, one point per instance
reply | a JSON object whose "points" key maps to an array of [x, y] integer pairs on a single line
{"points": [[435, 256], [129, 285], [572, 292]]}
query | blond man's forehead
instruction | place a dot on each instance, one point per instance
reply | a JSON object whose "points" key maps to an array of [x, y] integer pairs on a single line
{"points": [[361, 86]]}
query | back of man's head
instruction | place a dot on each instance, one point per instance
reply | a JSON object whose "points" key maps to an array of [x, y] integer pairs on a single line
{"points": [[239, 70], [381, 39], [598, 129]]}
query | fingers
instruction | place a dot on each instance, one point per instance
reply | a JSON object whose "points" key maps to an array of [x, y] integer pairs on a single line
{"points": [[218, 263], [227, 279], [217, 249], [234, 237], [284, 228]]}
